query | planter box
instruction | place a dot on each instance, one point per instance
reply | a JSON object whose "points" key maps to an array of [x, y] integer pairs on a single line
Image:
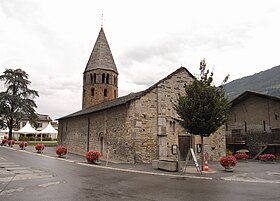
{"points": [[168, 165]]}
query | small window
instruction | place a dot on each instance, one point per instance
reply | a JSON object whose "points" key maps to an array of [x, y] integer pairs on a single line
{"points": [[39, 125], [105, 92], [92, 91], [276, 116], [115, 94], [107, 78], [94, 78], [174, 126], [245, 126], [91, 79], [264, 125], [103, 77]]}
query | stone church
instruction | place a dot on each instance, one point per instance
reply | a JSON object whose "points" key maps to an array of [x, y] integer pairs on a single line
{"points": [[138, 127]]}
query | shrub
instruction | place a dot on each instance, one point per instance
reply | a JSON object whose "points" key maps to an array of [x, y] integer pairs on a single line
{"points": [[11, 143], [5, 141], [61, 150], [40, 147], [241, 156], [92, 156], [228, 161], [23, 138], [267, 157], [23, 144]]}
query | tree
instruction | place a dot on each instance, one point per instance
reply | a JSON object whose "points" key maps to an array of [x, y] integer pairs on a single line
{"points": [[203, 110], [17, 100]]}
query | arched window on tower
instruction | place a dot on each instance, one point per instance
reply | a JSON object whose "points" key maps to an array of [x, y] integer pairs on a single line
{"points": [[94, 78], [103, 77], [105, 92], [91, 79], [107, 78]]}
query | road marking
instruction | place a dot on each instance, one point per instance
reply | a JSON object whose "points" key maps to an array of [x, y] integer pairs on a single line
{"points": [[21, 177], [49, 184], [273, 173], [10, 191], [144, 172], [17, 168], [249, 179]]}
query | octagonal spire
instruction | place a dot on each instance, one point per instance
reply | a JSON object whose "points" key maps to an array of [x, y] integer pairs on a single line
{"points": [[101, 56]]}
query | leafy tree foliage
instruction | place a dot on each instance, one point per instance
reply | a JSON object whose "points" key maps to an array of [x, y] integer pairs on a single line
{"points": [[203, 110], [17, 100]]}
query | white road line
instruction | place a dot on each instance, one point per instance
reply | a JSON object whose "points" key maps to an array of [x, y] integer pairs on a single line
{"points": [[144, 172], [49, 184], [10, 191]]}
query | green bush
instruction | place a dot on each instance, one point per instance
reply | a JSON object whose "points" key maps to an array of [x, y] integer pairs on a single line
{"points": [[23, 138]]}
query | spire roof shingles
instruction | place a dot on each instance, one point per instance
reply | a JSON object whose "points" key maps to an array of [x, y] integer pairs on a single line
{"points": [[101, 56]]}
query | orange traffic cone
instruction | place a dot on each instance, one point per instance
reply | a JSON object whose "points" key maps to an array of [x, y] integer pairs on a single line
{"points": [[205, 169]]}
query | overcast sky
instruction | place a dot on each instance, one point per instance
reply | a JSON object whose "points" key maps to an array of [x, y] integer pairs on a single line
{"points": [[52, 40]]}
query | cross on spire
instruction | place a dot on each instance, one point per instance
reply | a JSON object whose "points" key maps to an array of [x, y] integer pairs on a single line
{"points": [[102, 20]]}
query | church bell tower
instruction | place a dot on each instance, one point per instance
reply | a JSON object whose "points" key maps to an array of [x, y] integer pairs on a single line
{"points": [[100, 80]]}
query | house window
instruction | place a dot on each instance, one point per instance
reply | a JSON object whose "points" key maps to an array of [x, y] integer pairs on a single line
{"points": [[276, 116], [105, 92], [39, 125], [264, 125], [115, 94], [245, 126], [92, 91], [174, 126]]}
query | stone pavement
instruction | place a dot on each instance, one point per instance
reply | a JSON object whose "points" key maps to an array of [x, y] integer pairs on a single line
{"points": [[251, 171]]}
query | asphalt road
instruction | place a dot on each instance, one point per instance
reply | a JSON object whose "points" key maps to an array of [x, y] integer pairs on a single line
{"points": [[28, 177]]}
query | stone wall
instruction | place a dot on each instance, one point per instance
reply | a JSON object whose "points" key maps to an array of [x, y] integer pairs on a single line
{"points": [[73, 134], [108, 132]]}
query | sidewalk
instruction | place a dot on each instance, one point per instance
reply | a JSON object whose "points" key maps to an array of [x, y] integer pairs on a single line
{"points": [[251, 171]]}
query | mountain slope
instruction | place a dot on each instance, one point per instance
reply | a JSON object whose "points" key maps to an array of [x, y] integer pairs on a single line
{"points": [[265, 82]]}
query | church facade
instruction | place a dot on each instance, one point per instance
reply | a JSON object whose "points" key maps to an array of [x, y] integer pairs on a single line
{"points": [[138, 127]]}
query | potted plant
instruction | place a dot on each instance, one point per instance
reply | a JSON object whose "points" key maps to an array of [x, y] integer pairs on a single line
{"points": [[241, 156], [61, 151], [11, 143], [267, 157], [228, 162], [93, 156], [22, 145], [5, 141], [40, 148]]}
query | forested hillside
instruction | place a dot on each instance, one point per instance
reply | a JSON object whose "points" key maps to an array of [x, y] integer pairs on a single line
{"points": [[266, 82]]}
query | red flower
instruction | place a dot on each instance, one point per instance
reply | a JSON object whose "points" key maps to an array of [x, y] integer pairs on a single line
{"points": [[23, 144], [40, 147], [228, 161], [267, 157], [241, 156], [61, 150], [92, 156]]}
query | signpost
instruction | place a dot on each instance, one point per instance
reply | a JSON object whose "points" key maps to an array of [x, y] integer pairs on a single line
{"points": [[191, 153]]}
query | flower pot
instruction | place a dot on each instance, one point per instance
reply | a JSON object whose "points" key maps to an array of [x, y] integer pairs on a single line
{"points": [[229, 169]]}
